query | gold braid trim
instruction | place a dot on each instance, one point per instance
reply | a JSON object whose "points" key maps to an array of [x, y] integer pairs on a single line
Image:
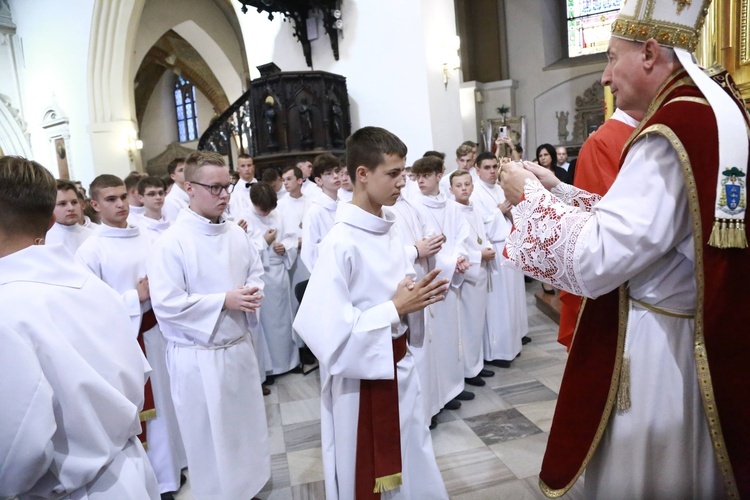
{"points": [[147, 415], [701, 360], [387, 483], [611, 397]]}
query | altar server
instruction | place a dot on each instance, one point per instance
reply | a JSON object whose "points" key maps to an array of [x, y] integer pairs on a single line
{"points": [[322, 211], [152, 192], [293, 208], [205, 280], [68, 212], [177, 199]]}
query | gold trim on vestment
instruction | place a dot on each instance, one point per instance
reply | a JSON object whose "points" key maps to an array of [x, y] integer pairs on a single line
{"points": [[147, 415], [697, 100], [611, 397], [703, 371], [578, 320], [659, 310]]}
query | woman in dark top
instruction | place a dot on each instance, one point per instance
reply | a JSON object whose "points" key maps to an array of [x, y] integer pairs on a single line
{"points": [[546, 156]]}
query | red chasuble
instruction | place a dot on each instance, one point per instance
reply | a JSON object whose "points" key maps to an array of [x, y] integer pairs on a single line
{"points": [[722, 318]]}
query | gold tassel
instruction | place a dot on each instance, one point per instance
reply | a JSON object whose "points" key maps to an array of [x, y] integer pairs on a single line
{"points": [[387, 483], [724, 235], [714, 240], [623, 389], [734, 235], [741, 236]]}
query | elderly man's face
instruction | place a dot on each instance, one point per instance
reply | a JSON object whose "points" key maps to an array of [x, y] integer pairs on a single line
{"points": [[562, 156], [624, 74]]}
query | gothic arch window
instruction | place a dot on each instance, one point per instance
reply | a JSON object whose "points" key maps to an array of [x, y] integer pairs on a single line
{"points": [[184, 102], [588, 25]]}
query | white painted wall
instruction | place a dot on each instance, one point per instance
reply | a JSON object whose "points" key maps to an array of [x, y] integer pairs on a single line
{"points": [[388, 55], [55, 41]]}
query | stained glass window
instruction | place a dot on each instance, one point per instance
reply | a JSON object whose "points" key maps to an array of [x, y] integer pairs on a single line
{"points": [[589, 23], [184, 101]]}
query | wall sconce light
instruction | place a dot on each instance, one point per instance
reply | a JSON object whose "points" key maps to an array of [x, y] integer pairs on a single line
{"points": [[451, 57], [132, 144]]}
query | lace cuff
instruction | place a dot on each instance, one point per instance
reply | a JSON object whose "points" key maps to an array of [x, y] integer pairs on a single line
{"points": [[571, 195], [543, 242]]}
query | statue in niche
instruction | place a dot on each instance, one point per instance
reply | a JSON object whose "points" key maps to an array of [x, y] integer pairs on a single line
{"points": [[338, 123], [269, 115], [305, 123], [562, 126]]}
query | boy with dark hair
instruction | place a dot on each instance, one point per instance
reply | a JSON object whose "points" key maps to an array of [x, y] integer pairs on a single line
{"points": [[68, 213], [151, 192], [58, 439], [322, 210], [293, 208], [442, 216], [117, 254], [177, 199], [272, 177], [131, 185], [374, 436], [279, 252], [207, 314], [346, 191]]}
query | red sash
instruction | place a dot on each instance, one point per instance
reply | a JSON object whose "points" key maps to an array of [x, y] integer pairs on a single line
{"points": [[378, 465], [148, 321], [722, 322]]}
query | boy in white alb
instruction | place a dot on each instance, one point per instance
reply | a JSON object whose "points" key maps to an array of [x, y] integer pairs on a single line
{"points": [[443, 217], [239, 203], [73, 375], [293, 207], [375, 441], [117, 255], [151, 192], [507, 321], [135, 205], [177, 199], [473, 293], [346, 191], [204, 275], [278, 254], [68, 212], [322, 210]]}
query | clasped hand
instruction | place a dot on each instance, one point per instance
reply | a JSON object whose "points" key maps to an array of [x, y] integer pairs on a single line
{"points": [[242, 298], [412, 296]]}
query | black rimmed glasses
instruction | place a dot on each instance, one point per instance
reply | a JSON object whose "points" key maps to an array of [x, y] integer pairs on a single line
{"points": [[215, 189]]}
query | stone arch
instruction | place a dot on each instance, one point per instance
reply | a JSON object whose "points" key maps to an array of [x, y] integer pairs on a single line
{"points": [[13, 137]]}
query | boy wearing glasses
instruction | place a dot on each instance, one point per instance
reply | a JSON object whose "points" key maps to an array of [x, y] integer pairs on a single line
{"points": [[152, 193], [206, 286]]}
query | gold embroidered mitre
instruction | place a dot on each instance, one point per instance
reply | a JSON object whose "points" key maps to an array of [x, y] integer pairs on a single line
{"points": [[672, 23]]}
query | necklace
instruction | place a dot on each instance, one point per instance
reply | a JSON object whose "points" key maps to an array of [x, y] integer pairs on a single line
{"points": [[476, 231]]}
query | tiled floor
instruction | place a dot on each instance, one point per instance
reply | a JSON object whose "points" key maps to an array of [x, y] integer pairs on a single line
{"points": [[490, 448]]}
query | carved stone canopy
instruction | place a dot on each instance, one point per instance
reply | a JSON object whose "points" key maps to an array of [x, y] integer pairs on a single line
{"points": [[589, 112]]}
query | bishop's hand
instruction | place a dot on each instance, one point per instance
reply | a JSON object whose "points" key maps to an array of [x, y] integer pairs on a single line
{"points": [[512, 179], [545, 175]]}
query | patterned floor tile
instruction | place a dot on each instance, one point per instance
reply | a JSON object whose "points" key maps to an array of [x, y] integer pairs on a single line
{"points": [[302, 436], [472, 470], [501, 426], [526, 392]]}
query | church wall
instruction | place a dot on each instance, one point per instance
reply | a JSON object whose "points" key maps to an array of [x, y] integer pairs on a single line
{"points": [[392, 76], [206, 28], [55, 41], [541, 93]]}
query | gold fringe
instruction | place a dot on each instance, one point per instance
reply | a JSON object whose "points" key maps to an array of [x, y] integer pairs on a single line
{"points": [[728, 234], [623, 388], [147, 415], [714, 240], [387, 483]]}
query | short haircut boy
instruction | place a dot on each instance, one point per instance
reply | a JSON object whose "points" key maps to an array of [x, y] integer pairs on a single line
{"points": [[131, 181], [63, 185], [484, 156], [293, 168], [104, 181], [464, 150], [427, 165], [270, 175], [323, 163], [436, 154], [174, 164], [148, 182], [471, 144], [198, 159], [28, 194], [368, 146], [244, 156], [263, 196], [458, 173]]}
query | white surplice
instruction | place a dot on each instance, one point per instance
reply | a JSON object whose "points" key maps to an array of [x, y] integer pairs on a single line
{"points": [[317, 222], [443, 216], [84, 344], [345, 196], [210, 355], [70, 236], [276, 313], [311, 189], [176, 200], [507, 319], [239, 201], [348, 320], [293, 211], [118, 257], [640, 232], [155, 227], [412, 229], [472, 304]]}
